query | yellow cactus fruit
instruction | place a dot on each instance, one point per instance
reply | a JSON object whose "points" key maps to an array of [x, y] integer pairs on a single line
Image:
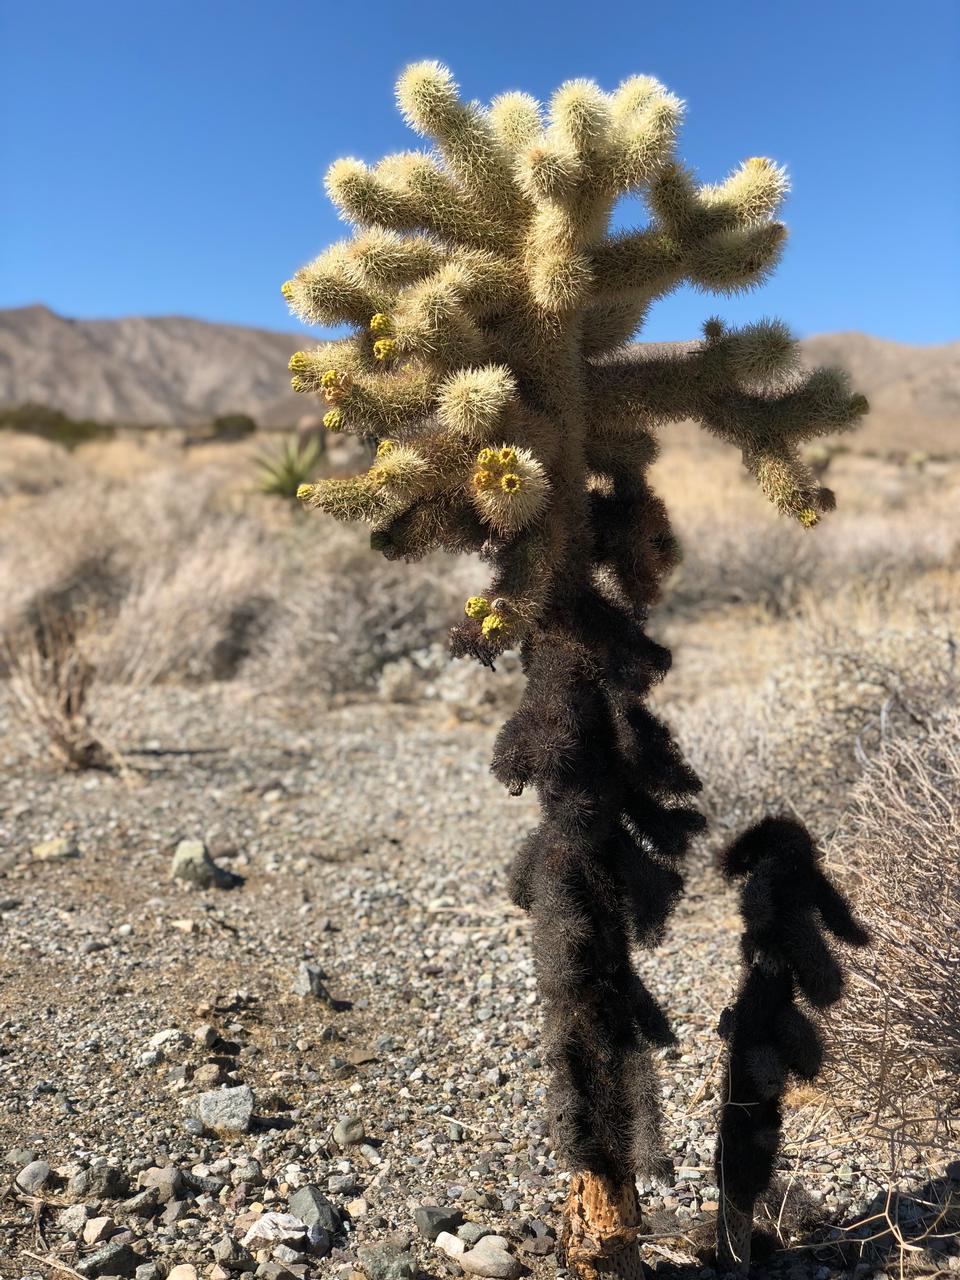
{"points": [[493, 625], [511, 483], [808, 517], [486, 457], [333, 419], [507, 456], [483, 480], [477, 607], [287, 290], [304, 491], [299, 362], [381, 324], [328, 379], [384, 348], [385, 447]]}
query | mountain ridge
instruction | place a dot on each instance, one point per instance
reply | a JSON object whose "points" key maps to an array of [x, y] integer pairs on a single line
{"points": [[178, 370]]}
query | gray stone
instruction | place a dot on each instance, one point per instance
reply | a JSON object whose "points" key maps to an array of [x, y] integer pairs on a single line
{"points": [[206, 1035], [431, 1220], [231, 1254], [19, 1156], [101, 1181], [471, 1232], [275, 1271], [309, 982], [248, 1170], [312, 1207], [166, 1181], [348, 1131], [71, 1220], [227, 1110], [147, 1271], [193, 864], [144, 1204], [34, 1176], [490, 1258], [387, 1262], [114, 1259], [537, 1238]]}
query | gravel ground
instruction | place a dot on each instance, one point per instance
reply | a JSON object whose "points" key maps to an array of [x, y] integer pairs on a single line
{"points": [[372, 844]]}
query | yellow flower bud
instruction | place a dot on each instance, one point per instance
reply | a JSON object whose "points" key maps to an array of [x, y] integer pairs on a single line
{"points": [[483, 480], [808, 517], [287, 290], [493, 625], [385, 447], [381, 324], [507, 456], [477, 607], [329, 379], [299, 362], [510, 483], [384, 348], [333, 419], [485, 457], [304, 491]]}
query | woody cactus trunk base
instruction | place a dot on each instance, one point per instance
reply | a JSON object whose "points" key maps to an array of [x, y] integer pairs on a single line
{"points": [[489, 362]]}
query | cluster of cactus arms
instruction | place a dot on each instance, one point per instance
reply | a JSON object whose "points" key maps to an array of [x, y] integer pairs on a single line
{"points": [[491, 365]]}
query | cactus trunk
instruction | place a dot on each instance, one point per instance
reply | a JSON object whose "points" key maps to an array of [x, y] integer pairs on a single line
{"points": [[601, 1221]]}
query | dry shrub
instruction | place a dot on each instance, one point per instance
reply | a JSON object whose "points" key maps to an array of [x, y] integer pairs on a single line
{"points": [[50, 678], [846, 673], [346, 615], [896, 1038], [469, 692]]}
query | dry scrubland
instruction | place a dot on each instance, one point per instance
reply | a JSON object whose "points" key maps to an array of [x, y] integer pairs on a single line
{"points": [[261, 681]]}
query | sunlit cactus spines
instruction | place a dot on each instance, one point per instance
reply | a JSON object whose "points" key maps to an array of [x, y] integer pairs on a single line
{"points": [[493, 313]]}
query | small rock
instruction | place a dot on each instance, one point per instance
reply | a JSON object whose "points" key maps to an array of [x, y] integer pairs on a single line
{"points": [[206, 1035], [193, 864], [34, 1177], [97, 1230], [147, 1271], [471, 1232], [183, 1272], [144, 1204], [318, 1241], [114, 1259], [168, 1041], [348, 1131], [281, 1228], [231, 1254], [210, 1075], [356, 1208], [227, 1111], [275, 1271], [495, 1076], [247, 1170], [166, 1181], [309, 982], [490, 1258], [284, 1253], [431, 1220], [101, 1181], [71, 1220], [387, 1262], [537, 1238], [19, 1156], [451, 1245], [58, 850], [311, 1206]]}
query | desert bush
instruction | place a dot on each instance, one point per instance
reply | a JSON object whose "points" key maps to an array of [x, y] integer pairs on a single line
{"points": [[54, 425], [897, 1046], [232, 426], [50, 677]]}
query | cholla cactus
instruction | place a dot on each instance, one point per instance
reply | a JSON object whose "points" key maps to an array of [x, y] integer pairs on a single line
{"points": [[492, 308], [786, 902]]}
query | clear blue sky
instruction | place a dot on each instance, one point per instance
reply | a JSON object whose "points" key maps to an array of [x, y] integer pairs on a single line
{"points": [[167, 157]]}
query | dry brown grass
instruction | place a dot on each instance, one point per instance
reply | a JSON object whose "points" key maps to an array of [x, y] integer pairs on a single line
{"points": [[897, 1042]]}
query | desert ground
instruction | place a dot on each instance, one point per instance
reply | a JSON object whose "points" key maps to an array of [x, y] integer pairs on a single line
{"points": [[340, 1024]]}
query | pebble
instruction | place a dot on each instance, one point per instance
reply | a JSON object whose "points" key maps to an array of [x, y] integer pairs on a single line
{"points": [[34, 1176], [310, 982], [114, 1259], [311, 1206], [491, 1257], [431, 1219], [206, 1035], [57, 850], [387, 1262], [192, 863], [348, 1131], [97, 1230], [227, 1111], [166, 1181], [71, 1220], [274, 1227], [451, 1245], [101, 1181], [184, 1271]]}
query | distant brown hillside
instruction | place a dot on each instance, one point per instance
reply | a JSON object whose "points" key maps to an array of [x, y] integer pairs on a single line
{"points": [[170, 369]]}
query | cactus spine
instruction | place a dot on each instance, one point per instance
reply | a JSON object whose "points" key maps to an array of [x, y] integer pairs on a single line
{"points": [[492, 309]]}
